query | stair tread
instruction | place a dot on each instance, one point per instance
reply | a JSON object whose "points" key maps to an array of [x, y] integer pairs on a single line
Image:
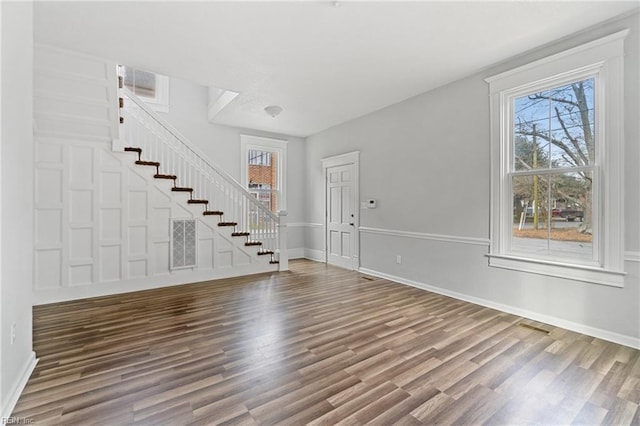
{"points": [[240, 234], [248, 243], [147, 163]]}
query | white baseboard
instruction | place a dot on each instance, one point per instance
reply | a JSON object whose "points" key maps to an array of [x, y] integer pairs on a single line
{"points": [[312, 254], [610, 336], [158, 281], [18, 387]]}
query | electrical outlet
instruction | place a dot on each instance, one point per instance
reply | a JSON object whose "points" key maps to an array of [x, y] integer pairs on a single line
{"points": [[399, 260], [13, 333]]}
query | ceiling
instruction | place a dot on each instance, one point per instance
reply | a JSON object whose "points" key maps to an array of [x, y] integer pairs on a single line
{"points": [[323, 62]]}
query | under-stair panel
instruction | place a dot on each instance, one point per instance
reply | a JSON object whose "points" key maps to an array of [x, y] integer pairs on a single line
{"points": [[102, 223]]}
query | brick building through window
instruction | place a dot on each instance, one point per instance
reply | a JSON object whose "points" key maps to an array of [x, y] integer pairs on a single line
{"points": [[262, 173]]}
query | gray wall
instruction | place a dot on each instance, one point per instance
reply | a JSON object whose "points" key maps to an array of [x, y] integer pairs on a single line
{"points": [[426, 160], [16, 261], [188, 114]]}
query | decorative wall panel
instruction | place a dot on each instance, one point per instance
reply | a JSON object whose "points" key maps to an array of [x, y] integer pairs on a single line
{"points": [[101, 219]]}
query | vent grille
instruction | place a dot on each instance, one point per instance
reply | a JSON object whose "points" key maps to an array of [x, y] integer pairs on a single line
{"points": [[183, 243]]}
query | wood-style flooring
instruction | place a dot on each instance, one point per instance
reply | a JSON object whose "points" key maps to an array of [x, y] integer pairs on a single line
{"points": [[317, 345]]}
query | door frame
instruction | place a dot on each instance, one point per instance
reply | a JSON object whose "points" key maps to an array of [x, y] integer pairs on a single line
{"points": [[341, 160]]}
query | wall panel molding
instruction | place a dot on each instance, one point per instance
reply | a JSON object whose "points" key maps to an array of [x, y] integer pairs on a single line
{"points": [[101, 222], [425, 236]]}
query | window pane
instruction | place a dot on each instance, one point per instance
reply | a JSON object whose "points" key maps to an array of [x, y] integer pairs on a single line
{"points": [[555, 128], [531, 132], [572, 124], [263, 177], [552, 215], [259, 158], [142, 83]]}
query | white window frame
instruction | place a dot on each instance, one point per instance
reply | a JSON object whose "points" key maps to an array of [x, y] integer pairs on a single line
{"points": [[603, 59], [277, 146], [160, 102]]}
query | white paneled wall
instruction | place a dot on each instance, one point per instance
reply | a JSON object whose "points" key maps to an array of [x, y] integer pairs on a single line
{"points": [[101, 222]]}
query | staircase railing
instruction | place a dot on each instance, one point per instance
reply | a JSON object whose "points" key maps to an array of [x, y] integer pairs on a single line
{"points": [[160, 142]]}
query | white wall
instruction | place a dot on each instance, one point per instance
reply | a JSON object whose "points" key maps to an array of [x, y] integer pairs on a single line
{"points": [[426, 160], [188, 114], [101, 223], [17, 358]]}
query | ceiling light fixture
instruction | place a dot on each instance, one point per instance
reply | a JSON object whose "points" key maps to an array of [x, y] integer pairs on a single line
{"points": [[273, 110]]}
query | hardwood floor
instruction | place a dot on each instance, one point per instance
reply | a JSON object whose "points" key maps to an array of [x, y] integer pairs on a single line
{"points": [[317, 345]]}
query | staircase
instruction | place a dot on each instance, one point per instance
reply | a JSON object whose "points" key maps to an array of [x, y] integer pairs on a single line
{"points": [[206, 184]]}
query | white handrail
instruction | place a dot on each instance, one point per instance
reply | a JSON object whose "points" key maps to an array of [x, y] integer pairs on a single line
{"points": [[161, 142]]}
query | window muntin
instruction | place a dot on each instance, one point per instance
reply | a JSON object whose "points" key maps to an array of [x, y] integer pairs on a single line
{"points": [[551, 226], [551, 171], [603, 60]]}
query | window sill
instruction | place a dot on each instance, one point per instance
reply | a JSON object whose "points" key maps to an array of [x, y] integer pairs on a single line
{"points": [[559, 270]]}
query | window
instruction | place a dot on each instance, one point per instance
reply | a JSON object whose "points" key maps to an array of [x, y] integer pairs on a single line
{"points": [[259, 158], [263, 170], [151, 87], [557, 165]]}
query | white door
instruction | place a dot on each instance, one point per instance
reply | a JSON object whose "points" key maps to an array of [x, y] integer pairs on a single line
{"points": [[341, 216]]}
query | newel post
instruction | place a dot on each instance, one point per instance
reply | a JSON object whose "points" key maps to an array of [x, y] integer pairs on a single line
{"points": [[282, 241]]}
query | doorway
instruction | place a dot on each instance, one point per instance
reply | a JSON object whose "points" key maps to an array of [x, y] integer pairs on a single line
{"points": [[342, 239]]}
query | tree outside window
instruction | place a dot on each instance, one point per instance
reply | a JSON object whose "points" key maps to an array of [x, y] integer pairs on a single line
{"points": [[554, 153]]}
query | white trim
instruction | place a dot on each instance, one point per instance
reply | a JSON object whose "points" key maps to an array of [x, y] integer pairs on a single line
{"points": [[603, 60], [630, 341], [160, 102], [632, 256], [107, 288], [334, 161], [279, 146], [19, 385], [316, 255], [425, 236], [305, 225], [341, 159], [559, 269], [620, 35]]}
